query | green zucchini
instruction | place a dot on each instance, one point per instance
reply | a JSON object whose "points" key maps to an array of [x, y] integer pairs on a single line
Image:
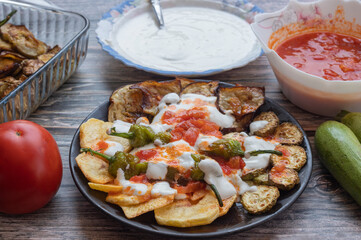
{"points": [[351, 120], [340, 152]]}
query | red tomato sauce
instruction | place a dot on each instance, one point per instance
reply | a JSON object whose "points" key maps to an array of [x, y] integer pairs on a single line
{"points": [[328, 55]]}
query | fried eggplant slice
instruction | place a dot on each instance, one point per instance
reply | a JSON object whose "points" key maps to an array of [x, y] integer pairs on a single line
{"points": [[271, 126], [261, 179], [105, 187], [31, 66], [122, 199], [23, 40], [9, 66], [288, 133], [227, 204], [95, 130], [293, 157], [5, 46], [202, 88], [51, 53], [125, 105], [184, 81], [242, 102], [93, 168], [261, 200], [8, 84], [153, 204], [249, 174], [236, 136], [154, 91], [283, 178], [184, 213]]}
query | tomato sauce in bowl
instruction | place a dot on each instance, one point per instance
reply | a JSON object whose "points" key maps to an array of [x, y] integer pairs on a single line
{"points": [[331, 56]]}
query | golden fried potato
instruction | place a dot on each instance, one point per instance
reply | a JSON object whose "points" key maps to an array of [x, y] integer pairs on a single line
{"points": [[125, 104], [105, 187], [23, 40], [203, 88], [153, 204], [126, 200], [271, 126], [227, 204], [261, 200], [284, 179], [249, 174], [242, 102], [154, 91], [93, 168], [294, 157], [183, 213], [95, 130], [198, 195], [288, 133]]}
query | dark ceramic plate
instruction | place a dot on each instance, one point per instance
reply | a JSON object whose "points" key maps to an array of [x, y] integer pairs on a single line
{"points": [[237, 219]]}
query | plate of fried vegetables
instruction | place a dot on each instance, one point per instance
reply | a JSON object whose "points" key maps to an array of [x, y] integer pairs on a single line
{"points": [[190, 157]]}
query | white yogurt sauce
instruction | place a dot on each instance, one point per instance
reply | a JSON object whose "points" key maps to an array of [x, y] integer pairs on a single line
{"points": [[156, 170], [260, 161], [186, 160], [130, 188], [163, 189], [121, 126], [241, 186], [113, 148], [256, 126], [193, 39]]}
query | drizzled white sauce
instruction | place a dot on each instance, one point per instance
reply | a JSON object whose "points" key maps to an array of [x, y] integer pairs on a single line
{"points": [[256, 126], [186, 160], [255, 143], [130, 188], [156, 170], [162, 189], [193, 39], [121, 126], [213, 174], [113, 147], [241, 186], [204, 140]]}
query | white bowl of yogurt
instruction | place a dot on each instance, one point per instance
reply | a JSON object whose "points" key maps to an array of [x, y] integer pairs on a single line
{"points": [[200, 37]]}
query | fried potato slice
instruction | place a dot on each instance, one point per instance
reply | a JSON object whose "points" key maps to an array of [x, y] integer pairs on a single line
{"points": [[242, 102], [125, 104], [294, 157], [288, 133], [184, 213], [93, 168], [153, 204], [203, 88], [284, 179], [23, 40], [95, 130], [261, 200], [227, 204], [126, 200], [271, 126], [198, 194], [105, 187], [154, 91]]}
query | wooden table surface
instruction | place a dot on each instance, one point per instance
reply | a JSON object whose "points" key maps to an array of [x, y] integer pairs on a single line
{"points": [[323, 211]]}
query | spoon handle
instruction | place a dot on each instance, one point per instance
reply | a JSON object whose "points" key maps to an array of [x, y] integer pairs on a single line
{"points": [[158, 12]]}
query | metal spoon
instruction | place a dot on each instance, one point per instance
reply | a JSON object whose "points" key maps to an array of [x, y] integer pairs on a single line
{"points": [[158, 12]]}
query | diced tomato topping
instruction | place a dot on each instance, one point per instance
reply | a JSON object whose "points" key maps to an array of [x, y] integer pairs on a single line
{"points": [[192, 186], [139, 179], [146, 154], [100, 146], [191, 135], [279, 168], [236, 162]]}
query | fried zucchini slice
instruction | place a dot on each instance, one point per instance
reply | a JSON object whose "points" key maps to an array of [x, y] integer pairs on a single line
{"points": [[261, 179], [283, 178], [23, 40], [184, 213], [227, 204], [105, 187], [236, 136], [154, 91], [294, 157], [288, 133], [249, 174], [261, 200], [93, 168], [242, 102], [95, 130], [125, 105], [203, 88], [153, 204], [122, 199], [271, 126]]}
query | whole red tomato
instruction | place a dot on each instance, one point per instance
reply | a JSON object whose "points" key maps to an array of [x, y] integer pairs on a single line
{"points": [[30, 167]]}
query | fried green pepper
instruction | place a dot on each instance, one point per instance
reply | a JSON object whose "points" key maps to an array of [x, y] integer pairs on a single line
{"points": [[164, 137], [127, 162], [196, 172], [138, 135]]}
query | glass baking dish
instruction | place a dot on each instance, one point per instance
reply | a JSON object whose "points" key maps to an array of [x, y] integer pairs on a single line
{"points": [[67, 29]]}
